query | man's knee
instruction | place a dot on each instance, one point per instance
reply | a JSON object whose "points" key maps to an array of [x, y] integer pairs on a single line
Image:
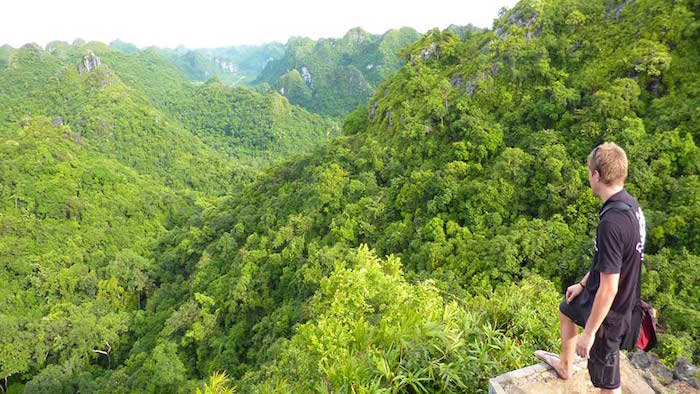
{"points": [[572, 313], [565, 319], [613, 391]]}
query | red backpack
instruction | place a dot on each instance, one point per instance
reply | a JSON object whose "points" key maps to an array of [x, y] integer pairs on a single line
{"points": [[642, 331]]}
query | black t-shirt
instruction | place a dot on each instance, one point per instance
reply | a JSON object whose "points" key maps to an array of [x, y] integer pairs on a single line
{"points": [[619, 248]]}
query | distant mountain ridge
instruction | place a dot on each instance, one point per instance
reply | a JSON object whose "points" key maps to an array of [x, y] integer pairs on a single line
{"points": [[329, 76], [238, 65], [333, 76]]}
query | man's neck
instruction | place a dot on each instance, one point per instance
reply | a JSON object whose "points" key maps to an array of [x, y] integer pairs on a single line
{"points": [[608, 192]]}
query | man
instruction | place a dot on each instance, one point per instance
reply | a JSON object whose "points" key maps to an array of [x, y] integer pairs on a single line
{"points": [[602, 301]]}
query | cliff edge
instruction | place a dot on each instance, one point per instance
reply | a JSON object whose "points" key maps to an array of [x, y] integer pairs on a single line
{"points": [[542, 379]]}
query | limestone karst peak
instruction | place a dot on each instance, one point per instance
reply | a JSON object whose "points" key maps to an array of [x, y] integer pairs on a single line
{"points": [[88, 63]]}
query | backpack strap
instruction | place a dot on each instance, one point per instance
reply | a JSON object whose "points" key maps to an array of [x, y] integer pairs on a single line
{"points": [[623, 206], [619, 205]]}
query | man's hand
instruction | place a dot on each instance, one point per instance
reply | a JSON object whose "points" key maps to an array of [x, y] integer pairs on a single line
{"points": [[573, 291], [584, 344]]}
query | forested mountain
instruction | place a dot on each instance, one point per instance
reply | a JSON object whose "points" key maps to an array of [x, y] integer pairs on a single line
{"points": [[237, 122], [100, 156], [423, 251], [115, 120], [465, 31], [6, 54], [261, 127], [333, 76], [248, 61], [232, 65], [330, 77]]}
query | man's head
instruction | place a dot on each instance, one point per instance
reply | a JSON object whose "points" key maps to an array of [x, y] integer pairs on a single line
{"points": [[607, 167]]}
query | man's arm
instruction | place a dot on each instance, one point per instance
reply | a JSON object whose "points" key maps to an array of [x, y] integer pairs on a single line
{"points": [[601, 306], [577, 288], [584, 281]]}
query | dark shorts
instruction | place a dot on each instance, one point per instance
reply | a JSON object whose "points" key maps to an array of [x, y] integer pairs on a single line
{"points": [[579, 309], [604, 357], [604, 360]]}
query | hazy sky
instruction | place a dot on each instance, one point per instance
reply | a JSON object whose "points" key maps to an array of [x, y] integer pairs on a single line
{"points": [[211, 23]]}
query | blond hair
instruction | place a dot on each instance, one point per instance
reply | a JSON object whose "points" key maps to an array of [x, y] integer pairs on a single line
{"points": [[610, 161]]}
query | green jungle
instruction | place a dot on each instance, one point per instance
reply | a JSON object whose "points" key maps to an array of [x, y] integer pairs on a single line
{"points": [[396, 213]]}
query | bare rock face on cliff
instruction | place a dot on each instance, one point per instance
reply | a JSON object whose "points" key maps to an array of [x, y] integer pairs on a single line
{"points": [[681, 379], [88, 63]]}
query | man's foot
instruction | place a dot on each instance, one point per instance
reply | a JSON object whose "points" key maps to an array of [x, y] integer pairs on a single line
{"points": [[553, 361]]}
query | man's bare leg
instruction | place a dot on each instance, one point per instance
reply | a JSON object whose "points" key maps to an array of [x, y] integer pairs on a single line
{"points": [[615, 391], [563, 364], [569, 335]]}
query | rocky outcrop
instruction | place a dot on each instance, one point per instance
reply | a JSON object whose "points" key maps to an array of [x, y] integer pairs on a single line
{"points": [[306, 74], [88, 63], [471, 84], [226, 66], [456, 81], [640, 373], [373, 109], [541, 379], [618, 9], [518, 18], [428, 52], [683, 370], [662, 379]]}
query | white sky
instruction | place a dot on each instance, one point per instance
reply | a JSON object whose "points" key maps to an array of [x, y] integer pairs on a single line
{"points": [[216, 23]]}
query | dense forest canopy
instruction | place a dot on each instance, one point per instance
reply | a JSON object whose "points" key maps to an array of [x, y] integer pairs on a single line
{"points": [[424, 250], [100, 157]]}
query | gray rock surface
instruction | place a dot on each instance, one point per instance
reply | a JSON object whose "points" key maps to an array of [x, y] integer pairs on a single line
{"points": [[642, 360], [661, 378], [541, 379], [682, 370], [618, 9], [88, 63], [693, 382], [663, 373], [426, 53], [306, 74]]}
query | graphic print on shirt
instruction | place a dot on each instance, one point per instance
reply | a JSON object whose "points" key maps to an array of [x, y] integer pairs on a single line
{"points": [[642, 232]]}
